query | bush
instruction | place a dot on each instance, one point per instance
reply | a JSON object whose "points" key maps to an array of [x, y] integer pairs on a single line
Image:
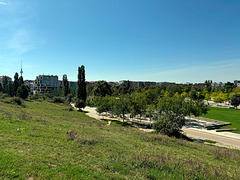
{"points": [[90, 101], [34, 97], [16, 100], [235, 100], [3, 96], [58, 100], [13, 100], [69, 98], [80, 104], [170, 124]]}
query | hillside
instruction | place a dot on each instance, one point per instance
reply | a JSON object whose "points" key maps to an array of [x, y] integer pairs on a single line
{"points": [[42, 140]]}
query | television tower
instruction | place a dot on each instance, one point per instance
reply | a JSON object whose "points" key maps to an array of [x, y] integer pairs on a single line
{"points": [[21, 72]]}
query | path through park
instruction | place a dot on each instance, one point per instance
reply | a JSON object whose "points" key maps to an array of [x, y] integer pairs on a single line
{"points": [[197, 132]]}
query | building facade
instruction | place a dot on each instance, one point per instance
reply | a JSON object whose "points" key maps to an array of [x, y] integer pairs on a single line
{"points": [[138, 84], [45, 83]]}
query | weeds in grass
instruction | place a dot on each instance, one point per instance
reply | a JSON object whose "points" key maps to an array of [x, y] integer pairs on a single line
{"points": [[24, 116], [193, 169], [230, 154], [87, 140], [8, 115], [71, 135]]}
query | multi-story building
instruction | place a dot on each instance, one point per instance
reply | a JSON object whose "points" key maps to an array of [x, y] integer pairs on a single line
{"points": [[165, 83], [200, 85], [138, 84], [72, 84], [237, 83], [215, 85], [45, 83]]}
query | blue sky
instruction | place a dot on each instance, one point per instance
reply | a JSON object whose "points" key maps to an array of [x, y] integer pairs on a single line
{"points": [[150, 40]]}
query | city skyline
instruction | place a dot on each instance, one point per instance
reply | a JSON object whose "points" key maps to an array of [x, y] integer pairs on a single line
{"points": [[173, 41]]}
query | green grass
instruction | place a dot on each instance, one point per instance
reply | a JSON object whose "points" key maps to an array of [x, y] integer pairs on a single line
{"points": [[226, 115], [42, 140], [210, 141]]}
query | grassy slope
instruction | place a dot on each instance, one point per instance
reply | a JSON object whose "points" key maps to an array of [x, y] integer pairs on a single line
{"points": [[34, 144], [227, 115]]}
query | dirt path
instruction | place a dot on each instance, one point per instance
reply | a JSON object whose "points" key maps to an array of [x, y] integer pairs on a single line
{"points": [[223, 139]]}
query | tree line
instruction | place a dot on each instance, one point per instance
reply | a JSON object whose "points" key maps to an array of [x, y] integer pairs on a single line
{"points": [[166, 110], [15, 88], [228, 93]]}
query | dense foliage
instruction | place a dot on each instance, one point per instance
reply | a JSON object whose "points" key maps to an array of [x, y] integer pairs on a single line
{"points": [[160, 107]]}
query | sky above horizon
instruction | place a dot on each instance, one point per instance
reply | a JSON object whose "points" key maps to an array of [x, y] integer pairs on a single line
{"points": [[139, 40]]}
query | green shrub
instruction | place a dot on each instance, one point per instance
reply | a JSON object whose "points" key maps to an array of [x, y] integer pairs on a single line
{"points": [[3, 96], [58, 100], [80, 104], [13, 100], [169, 124]]}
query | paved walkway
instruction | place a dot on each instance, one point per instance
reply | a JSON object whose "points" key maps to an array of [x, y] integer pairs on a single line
{"points": [[194, 128], [222, 105]]}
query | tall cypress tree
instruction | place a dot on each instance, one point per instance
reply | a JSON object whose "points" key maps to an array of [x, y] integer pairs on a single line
{"points": [[81, 88], [21, 81], [83, 85], [65, 85], [15, 84]]}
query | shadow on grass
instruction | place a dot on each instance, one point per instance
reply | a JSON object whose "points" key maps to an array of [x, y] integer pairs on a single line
{"points": [[117, 123], [80, 110], [178, 136]]}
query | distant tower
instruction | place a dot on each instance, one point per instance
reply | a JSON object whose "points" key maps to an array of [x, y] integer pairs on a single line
{"points": [[21, 69]]}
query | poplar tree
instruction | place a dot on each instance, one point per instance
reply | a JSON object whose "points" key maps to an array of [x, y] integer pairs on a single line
{"points": [[81, 88], [15, 84], [65, 85], [21, 82]]}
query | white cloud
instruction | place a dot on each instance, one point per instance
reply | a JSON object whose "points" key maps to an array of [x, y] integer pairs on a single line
{"points": [[3, 3], [21, 42]]}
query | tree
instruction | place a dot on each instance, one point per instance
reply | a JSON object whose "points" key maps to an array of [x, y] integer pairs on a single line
{"points": [[172, 111], [139, 104], [235, 100], [229, 87], [23, 91], [102, 88], [80, 104], [10, 89], [65, 85], [207, 97], [170, 124], [121, 106], [1, 88], [21, 81], [236, 90], [125, 88], [81, 88], [15, 84]]}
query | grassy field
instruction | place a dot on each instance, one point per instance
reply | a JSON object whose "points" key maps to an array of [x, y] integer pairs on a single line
{"points": [[42, 140], [227, 115]]}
